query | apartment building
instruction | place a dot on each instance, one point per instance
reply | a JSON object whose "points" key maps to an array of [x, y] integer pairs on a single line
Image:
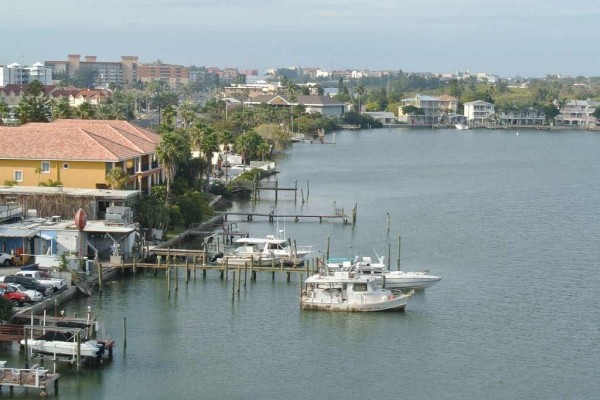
{"points": [[174, 75], [122, 72], [577, 113], [16, 74]]}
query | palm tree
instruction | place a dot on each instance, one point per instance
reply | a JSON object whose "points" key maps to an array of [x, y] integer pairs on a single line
{"points": [[117, 178], [85, 111], [62, 109], [172, 148], [187, 113]]}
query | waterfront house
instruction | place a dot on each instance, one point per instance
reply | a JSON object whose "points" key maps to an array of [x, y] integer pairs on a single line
{"points": [[448, 104], [522, 117], [431, 110], [478, 112], [577, 113], [323, 105], [79, 154], [385, 117]]}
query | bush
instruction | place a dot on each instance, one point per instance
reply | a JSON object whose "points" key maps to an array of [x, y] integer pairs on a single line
{"points": [[6, 310]]}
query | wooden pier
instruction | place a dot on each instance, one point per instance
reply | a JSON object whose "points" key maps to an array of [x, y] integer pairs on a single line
{"points": [[35, 377]]}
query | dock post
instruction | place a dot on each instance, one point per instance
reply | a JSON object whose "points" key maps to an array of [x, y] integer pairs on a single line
{"points": [[55, 308], [288, 276], [252, 273], [176, 268], [187, 271], [226, 268], [124, 333], [354, 213], [276, 190], [169, 280], [99, 266], [307, 190], [306, 267], [26, 350], [78, 350], [399, 247], [327, 248], [295, 191], [245, 272], [389, 262], [239, 280], [233, 287], [388, 224], [194, 266], [134, 263], [273, 276]]}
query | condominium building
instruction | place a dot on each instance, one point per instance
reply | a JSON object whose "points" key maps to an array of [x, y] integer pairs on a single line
{"points": [[577, 113], [16, 74], [174, 75], [122, 72], [430, 110], [478, 112]]}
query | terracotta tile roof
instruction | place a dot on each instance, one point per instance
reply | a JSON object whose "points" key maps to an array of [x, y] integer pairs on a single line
{"points": [[18, 88], [82, 140]]}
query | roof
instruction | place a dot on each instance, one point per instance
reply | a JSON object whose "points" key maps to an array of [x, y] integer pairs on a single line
{"points": [[305, 100], [10, 232], [75, 192], [446, 97], [77, 140], [478, 102]]}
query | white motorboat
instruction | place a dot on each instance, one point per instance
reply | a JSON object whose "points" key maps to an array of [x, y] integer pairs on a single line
{"points": [[348, 291], [269, 246], [462, 127], [65, 343], [239, 260], [388, 279]]}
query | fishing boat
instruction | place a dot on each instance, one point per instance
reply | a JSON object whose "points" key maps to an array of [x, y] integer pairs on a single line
{"points": [[389, 279], [348, 291]]}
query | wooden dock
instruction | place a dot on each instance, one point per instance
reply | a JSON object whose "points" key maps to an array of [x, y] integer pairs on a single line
{"points": [[35, 377]]}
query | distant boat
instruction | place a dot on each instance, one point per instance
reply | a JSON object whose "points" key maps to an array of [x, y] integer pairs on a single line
{"points": [[461, 126]]}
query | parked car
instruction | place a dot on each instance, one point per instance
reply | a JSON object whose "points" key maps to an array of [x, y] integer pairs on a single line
{"points": [[34, 295], [5, 259], [10, 294], [29, 283], [45, 278]]}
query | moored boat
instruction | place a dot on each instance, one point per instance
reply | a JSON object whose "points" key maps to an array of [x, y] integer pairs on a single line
{"points": [[461, 126], [347, 291], [65, 343]]}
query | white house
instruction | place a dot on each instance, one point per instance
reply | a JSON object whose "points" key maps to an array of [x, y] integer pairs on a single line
{"points": [[577, 113], [478, 112]]}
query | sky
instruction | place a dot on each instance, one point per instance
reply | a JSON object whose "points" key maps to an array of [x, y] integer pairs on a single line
{"points": [[527, 38]]}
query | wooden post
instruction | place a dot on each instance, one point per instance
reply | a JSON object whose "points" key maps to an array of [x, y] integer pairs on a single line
{"points": [[78, 350], [233, 287], [134, 262], [239, 280], [194, 266], [124, 333], [399, 250], [306, 267], [169, 280], [158, 258], [176, 268], [273, 276], [55, 308], [187, 271], [99, 277], [276, 190], [307, 190], [388, 224], [26, 349], [389, 255], [295, 191], [245, 272], [327, 248], [354, 213], [288, 276]]}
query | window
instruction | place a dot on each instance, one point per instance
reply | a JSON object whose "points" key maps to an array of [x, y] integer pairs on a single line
{"points": [[18, 176], [66, 166], [45, 167]]}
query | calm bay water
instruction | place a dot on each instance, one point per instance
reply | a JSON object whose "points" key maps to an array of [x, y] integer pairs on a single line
{"points": [[512, 223]]}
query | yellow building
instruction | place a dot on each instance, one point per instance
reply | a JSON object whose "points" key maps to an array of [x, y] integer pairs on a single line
{"points": [[78, 153]]}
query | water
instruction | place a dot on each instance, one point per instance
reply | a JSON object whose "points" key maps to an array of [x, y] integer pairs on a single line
{"points": [[511, 222]]}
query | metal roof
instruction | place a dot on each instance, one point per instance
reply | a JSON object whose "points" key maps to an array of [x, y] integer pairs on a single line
{"points": [[17, 233]]}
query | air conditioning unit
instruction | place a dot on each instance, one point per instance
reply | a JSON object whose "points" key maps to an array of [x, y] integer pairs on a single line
{"points": [[118, 215]]}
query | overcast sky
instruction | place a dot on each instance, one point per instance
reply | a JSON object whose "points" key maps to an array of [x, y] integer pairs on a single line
{"points": [[522, 37]]}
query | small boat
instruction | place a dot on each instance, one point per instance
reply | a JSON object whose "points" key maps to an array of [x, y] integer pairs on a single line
{"points": [[461, 126], [65, 343], [388, 279], [238, 260], [348, 291]]}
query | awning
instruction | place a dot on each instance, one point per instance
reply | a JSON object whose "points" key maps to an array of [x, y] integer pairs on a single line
{"points": [[18, 233], [45, 237]]}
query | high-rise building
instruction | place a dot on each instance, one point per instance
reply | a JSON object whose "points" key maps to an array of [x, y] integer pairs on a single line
{"points": [[174, 75], [122, 72], [16, 74]]}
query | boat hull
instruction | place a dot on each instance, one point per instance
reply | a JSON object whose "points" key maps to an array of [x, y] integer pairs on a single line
{"points": [[88, 349], [323, 304], [409, 281]]}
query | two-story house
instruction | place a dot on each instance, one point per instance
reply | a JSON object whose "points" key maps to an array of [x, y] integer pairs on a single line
{"points": [[430, 110], [79, 153]]}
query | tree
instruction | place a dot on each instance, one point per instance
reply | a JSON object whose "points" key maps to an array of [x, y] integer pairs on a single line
{"points": [[4, 112], [117, 179], [187, 112], [596, 113], [172, 148], [50, 183], [550, 112], [6, 310], [34, 107], [412, 110], [360, 92], [62, 109], [84, 77], [85, 111]]}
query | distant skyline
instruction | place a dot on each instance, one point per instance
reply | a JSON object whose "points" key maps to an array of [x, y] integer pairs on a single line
{"points": [[530, 38]]}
